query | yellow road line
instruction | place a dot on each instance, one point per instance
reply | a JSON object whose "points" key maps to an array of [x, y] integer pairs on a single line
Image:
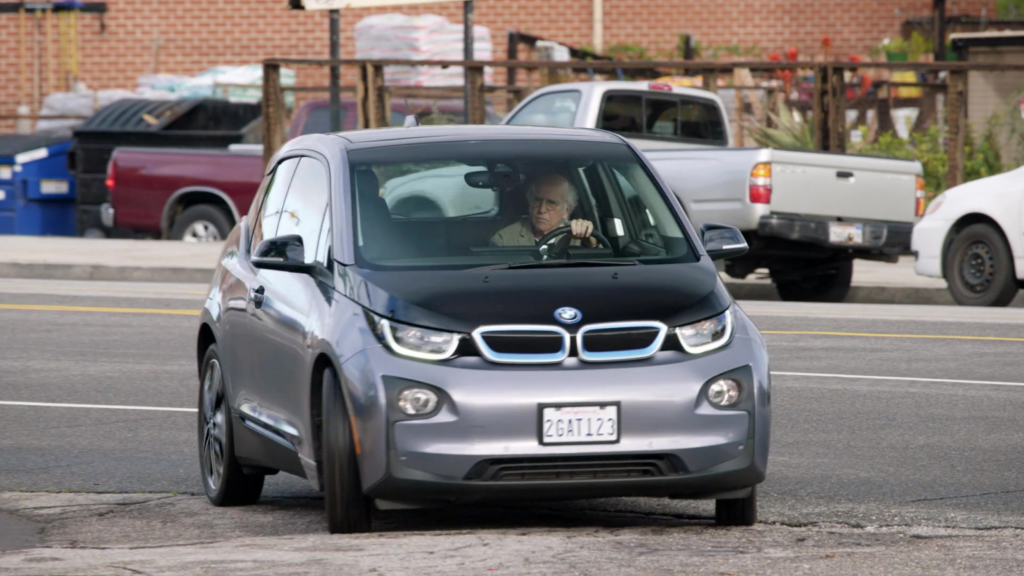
{"points": [[1003, 316], [870, 335], [15, 288], [48, 308]]}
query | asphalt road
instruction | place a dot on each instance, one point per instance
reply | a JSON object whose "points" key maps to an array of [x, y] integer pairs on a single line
{"points": [[895, 417]]}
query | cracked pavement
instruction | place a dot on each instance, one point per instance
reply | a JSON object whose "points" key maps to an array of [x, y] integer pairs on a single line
{"points": [[865, 476]]}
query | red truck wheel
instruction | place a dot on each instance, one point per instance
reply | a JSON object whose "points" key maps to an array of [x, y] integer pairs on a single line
{"points": [[201, 223]]}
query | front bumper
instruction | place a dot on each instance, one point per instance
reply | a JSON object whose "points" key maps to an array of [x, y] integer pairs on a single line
{"points": [[928, 242], [890, 238], [489, 419]]}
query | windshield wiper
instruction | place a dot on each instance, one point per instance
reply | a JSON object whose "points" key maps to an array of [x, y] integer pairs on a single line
{"points": [[558, 264]]}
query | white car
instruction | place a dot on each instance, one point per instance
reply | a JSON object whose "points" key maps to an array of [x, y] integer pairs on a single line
{"points": [[973, 236]]}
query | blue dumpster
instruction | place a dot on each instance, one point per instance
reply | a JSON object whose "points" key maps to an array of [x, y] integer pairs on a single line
{"points": [[37, 192]]}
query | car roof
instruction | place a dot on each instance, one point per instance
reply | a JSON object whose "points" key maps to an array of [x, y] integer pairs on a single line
{"points": [[461, 133]]}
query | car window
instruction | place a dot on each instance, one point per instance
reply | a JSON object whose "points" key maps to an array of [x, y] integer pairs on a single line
{"points": [[539, 185], [303, 209], [661, 116], [554, 109], [433, 190], [265, 225], [319, 120], [640, 215], [323, 245]]}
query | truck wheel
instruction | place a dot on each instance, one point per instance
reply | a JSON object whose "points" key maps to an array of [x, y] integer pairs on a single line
{"points": [[826, 287], [201, 223], [348, 510], [738, 511], [979, 267]]}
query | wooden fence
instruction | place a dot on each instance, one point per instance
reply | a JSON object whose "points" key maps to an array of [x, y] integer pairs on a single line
{"points": [[828, 106]]}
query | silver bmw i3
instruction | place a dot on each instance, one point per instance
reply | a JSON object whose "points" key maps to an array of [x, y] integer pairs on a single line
{"points": [[428, 315]]}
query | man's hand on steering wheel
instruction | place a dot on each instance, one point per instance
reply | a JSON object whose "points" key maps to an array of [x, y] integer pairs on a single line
{"points": [[582, 229]]}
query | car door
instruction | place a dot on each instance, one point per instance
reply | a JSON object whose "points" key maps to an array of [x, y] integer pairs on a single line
{"points": [[238, 292], [280, 327]]}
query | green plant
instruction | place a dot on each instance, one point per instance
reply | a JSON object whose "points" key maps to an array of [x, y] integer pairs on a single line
{"points": [[1010, 9], [980, 160], [919, 46], [1015, 130], [983, 159], [790, 132], [895, 46]]}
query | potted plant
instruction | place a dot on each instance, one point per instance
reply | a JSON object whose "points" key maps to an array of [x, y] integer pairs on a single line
{"points": [[896, 50]]}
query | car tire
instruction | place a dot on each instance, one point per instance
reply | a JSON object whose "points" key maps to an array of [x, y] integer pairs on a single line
{"points": [[979, 267], [737, 511], [348, 510], [201, 223], [224, 481], [828, 287]]}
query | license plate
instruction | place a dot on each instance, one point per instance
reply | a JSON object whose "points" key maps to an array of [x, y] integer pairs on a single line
{"points": [[593, 423], [842, 233]]}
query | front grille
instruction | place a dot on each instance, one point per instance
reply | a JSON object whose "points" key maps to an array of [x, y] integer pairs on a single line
{"points": [[574, 468], [619, 339], [524, 342]]}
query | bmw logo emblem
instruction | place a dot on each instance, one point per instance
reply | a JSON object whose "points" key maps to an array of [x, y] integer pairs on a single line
{"points": [[567, 315]]}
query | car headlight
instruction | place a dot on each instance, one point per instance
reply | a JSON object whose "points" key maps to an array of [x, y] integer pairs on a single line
{"points": [[706, 335], [934, 205], [416, 342]]}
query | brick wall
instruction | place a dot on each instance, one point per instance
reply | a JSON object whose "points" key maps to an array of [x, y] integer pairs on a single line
{"points": [[196, 34]]}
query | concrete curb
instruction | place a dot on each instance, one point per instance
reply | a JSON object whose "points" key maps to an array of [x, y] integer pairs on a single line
{"points": [[106, 273]]}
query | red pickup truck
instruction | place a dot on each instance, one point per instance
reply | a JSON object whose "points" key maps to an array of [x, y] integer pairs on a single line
{"points": [[197, 195]]}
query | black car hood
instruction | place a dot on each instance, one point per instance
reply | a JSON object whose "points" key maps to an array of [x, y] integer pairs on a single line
{"points": [[463, 300]]}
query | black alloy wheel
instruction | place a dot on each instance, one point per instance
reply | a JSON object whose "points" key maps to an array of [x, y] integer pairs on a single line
{"points": [[348, 510], [979, 267], [224, 481]]}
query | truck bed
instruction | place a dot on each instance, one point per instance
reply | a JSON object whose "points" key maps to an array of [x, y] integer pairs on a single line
{"points": [[713, 184]]}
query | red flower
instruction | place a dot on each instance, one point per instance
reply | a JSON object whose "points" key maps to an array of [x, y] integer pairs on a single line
{"points": [[792, 53]]}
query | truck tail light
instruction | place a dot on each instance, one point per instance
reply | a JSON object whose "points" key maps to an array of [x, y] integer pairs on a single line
{"points": [[110, 175], [919, 205], [665, 86], [761, 184]]}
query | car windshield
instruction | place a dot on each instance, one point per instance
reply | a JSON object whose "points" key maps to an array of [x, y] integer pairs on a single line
{"points": [[510, 204]]}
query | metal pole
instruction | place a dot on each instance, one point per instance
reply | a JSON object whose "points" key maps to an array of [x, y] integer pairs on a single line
{"points": [[335, 18], [467, 19], [939, 29]]}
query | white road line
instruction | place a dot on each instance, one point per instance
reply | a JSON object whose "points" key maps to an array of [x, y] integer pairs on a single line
{"points": [[98, 406], [898, 379]]}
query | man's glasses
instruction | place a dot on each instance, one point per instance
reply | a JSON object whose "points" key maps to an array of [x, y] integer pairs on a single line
{"points": [[545, 204]]}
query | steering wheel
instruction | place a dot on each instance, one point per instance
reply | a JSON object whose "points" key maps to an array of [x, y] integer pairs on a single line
{"points": [[562, 230]]}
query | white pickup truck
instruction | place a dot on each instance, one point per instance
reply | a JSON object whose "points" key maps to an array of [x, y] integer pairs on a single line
{"points": [[806, 215]]}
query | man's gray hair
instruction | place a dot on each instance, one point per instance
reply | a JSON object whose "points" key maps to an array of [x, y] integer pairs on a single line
{"points": [[574, 197]]}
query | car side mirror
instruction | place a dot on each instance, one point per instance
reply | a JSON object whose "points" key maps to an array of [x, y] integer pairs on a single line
{"points": [[722, 242], [284, 253]]}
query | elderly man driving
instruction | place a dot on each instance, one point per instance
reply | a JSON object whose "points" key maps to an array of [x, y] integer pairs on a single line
{"points": [[551, 198]]}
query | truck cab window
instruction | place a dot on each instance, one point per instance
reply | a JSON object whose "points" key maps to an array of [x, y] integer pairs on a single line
{"points": [[701, 121], [554, 109], [623, 113], [662, 116]]}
